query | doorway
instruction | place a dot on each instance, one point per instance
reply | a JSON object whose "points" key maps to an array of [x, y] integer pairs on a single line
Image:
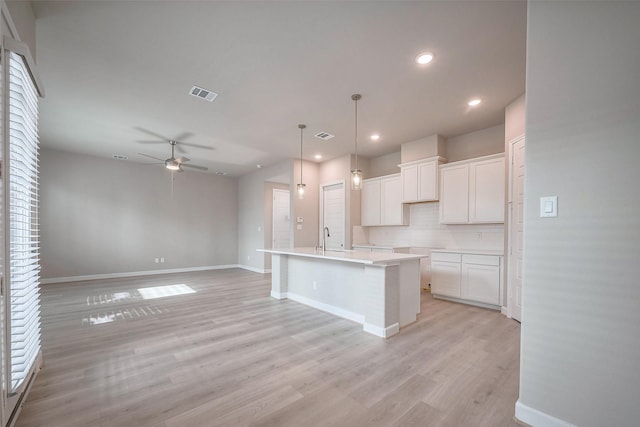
{"points": [[281, 231], [332, 214]]}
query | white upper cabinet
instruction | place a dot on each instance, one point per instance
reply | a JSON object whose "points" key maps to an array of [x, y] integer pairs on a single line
{"points": [[472, 191], [487, 190], [381, 202], [454, 203], [370, 202], [420, 180]]}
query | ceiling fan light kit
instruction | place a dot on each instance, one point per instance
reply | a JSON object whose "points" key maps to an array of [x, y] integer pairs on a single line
{"points": [[173, 164]]}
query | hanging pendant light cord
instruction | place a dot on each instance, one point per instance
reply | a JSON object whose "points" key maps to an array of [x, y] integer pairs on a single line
{"points": [[301, 127], [356, 133]]}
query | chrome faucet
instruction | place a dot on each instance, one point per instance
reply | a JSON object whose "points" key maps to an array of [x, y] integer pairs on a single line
{"points": [[325, 233]]}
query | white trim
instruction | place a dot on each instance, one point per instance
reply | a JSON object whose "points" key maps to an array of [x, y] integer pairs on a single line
{"points": [[505, 310], [468, 301], [278, 295], [381, 332], [508, 260], [438, 159], [534, 417], [134, 273], [345, 314], [254, 269]]}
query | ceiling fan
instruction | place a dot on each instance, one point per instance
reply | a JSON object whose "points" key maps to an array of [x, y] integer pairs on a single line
{"points": [[173, 163]]}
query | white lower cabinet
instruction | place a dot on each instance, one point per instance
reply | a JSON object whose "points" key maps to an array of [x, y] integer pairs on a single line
{"points": [[471, 278], [445, 278]]}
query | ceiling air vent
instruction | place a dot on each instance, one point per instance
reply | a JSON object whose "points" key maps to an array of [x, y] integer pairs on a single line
{"points": [[205, 94], [221, 173], [120, 157], [324, 136]]}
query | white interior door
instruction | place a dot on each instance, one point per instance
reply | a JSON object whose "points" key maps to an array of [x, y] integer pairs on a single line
{"points": [[281, 236], [333, 215], [516, 227]]}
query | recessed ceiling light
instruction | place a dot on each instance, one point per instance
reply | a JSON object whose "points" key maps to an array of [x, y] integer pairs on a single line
{"points": [[221, 173], [375, 137], [474, 102], [258, 166], [318, 156], [424, 58]]}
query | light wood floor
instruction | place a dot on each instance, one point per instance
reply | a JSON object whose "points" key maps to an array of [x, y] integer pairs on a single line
{"points": [[229, 355]]}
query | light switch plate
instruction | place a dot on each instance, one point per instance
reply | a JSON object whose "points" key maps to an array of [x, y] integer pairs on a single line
{"points": [[300, 220], [548, 206]]}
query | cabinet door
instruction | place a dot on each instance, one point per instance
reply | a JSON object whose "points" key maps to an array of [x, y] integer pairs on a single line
{"points": [[409, 183], [454, 194], [486, 191], [370, 202], [445, 278], [481, 283], [391, 201], [428, 181]]}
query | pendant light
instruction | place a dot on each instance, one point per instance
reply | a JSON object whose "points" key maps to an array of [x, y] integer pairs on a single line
{"points": [[301, 185], [356, 174]]}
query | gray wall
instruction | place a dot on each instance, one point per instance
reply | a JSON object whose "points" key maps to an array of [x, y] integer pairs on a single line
{"points": [[251, 218], [103, 216], [475, 144], [384, 165], [581, 304]]}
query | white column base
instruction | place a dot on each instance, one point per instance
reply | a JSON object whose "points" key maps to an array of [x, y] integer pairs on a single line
{"points": [[536, 418]]}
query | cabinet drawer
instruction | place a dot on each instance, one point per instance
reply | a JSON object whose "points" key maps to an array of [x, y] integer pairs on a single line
{"points": [[481, 259], [445, 256]]}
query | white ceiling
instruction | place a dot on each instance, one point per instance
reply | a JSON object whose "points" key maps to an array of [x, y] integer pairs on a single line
{"points": [[114, 69]]}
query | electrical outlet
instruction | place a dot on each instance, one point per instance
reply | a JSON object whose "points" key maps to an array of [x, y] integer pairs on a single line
{"points": [[248, 258], [162, 259], [157, 260], [315, 285]]}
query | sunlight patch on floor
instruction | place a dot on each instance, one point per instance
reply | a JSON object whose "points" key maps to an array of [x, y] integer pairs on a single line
{"points": [[165, 291]]}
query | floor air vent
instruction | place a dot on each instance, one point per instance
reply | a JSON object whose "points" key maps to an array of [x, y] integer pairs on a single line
{"points": [[205, 94]]}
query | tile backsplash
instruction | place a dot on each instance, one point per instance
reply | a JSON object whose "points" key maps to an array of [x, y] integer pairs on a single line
{"points": [[425, 230]]}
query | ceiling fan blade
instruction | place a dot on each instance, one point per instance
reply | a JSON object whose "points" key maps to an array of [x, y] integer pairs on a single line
{"points": [[201, 168], [148, 132], [183, 159], [152, 157], [151, 142], [183, 135], [179, 148], [188, 144]]}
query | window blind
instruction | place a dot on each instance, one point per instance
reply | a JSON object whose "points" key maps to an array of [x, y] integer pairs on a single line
{"points": [[24, 240]]}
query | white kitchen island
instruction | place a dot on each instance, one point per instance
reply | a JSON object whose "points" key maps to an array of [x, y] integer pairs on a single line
{"points": [[379, 290]]}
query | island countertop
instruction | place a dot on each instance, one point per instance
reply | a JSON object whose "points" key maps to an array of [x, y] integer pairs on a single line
{"points": [[346, 256]]}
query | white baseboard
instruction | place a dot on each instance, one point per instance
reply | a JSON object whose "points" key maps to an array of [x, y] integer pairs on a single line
{"points": [[505, 310], [346, 314], [134, 273], [254, 269], [381, 332], [278, 295], [535, 418]]}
